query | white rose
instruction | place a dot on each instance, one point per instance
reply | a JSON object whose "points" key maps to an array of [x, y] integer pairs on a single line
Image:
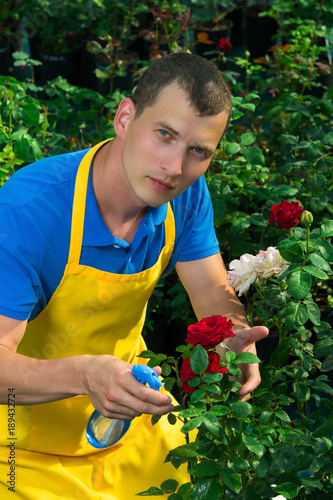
{"points": [[241, 273], [269, 263]]}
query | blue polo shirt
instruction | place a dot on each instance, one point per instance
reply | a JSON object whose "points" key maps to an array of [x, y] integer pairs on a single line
{"points": [[35, 225]]}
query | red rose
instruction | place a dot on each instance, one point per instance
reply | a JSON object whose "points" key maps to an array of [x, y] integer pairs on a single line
{"points": [[224, 45], [209, 332], [187, 374], [286, 214]]}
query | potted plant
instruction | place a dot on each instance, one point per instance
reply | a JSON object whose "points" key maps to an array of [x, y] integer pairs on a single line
{"points": [[210, 24], [168, 30], [55, 31], [110, 42]]}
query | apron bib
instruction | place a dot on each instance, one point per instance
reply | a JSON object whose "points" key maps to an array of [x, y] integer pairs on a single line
{"points": [[91, 312]]}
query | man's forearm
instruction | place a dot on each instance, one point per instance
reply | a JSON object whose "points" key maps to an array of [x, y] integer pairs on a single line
{"points": [[40, 381]]}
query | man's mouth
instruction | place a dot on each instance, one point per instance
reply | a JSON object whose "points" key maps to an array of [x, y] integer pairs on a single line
{"points": [[161, 185]]}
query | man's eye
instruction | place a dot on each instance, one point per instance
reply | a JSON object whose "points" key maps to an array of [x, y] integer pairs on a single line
{"points": [[199, 151], [164, 133]]}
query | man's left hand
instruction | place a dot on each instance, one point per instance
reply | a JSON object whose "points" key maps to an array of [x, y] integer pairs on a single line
{"points": [[244, 341]]}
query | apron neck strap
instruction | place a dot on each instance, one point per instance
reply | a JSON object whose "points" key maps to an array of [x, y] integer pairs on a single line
{"points": [[79, 204]]}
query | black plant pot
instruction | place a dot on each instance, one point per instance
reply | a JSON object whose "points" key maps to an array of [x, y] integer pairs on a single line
{"points": [[4, 59], [237, 16], [259, 32], [54, 64]]}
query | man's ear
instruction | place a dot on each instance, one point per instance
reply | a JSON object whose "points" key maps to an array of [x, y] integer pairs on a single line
{"points": [[124, 116]]}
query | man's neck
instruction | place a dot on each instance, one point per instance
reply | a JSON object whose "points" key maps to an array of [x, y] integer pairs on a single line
{"points": [[120, 214]]}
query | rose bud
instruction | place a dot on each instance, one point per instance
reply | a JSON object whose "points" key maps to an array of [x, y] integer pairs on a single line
{"points": [[306, 218]]}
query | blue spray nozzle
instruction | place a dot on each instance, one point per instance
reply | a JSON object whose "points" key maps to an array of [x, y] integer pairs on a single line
{"points": [[147, 375], [104, 432]]}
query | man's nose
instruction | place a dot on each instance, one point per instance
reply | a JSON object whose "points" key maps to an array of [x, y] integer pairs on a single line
{"points": [[174, 164]]}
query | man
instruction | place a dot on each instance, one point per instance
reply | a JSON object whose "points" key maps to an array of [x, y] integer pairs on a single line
{"points": [[85, 238]]}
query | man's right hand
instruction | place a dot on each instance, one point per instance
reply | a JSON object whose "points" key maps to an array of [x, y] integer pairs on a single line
{"points": [[115, 392]]}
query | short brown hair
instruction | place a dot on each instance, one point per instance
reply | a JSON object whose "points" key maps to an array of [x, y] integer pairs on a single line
{"points": [[203, 83]]}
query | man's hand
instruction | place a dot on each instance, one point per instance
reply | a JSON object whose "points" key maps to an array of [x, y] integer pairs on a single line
{"points": [[245, 342], [115, 392]]}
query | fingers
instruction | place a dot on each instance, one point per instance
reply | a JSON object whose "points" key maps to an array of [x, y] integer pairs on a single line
{"points": [[126, 398]]}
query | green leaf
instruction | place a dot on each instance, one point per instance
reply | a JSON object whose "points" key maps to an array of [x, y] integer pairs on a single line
{"points": [[192, 412], [194, 382], [241, 409], [317, 273], [293, 253], [260, 467], [299, 284], [246, 357], [323, 348], [206, 489], [152, 492], [27, 148], [187, 451], [207, 468], [286, 458], [282, 415], [301, 391], [284, 191], [30, 115], [313, 311], [327, 364], [231, 148], [197, 395], [326, 250], [194, 423], [147, 354], [240, 225], [211, 423], [219, 410], [247, 138], [199, 360], [297, 313], [326, 229], [166, 369], [172, 419], [250, 106], [288, 490], [169, 486], [254, 156], [212, 378], [324, 429], [318, 261], [252, 444], [238, 463], [231, 479], [229, 356]]}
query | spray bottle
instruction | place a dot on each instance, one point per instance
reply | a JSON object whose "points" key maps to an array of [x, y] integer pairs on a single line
{"points": [[103, 432]]}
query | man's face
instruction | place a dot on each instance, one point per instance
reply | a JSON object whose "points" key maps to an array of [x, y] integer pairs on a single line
{"points": [[168, 147]]}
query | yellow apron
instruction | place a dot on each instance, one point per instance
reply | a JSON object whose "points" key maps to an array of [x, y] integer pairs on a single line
{"points": [[91, 312]]}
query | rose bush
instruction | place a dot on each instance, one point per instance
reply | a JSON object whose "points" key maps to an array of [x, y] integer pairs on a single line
{"points": [[280, 443]]}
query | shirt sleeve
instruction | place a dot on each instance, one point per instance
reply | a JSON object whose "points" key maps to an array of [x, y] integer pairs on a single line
{"points": [[199, 237], [20, 258]]}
